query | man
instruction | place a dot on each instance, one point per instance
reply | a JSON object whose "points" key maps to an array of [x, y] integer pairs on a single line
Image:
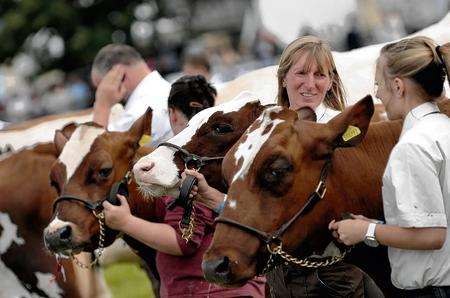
{"points": [[119, 72]]}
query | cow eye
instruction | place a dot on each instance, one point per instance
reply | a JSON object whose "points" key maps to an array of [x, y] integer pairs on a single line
{"points": [[274, 176], [222, 128], [105, 172]]}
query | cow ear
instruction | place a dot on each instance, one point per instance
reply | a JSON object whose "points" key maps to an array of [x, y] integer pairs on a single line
{"points": [[141, 130], [63, 135], [307, 114], [348, 128]]}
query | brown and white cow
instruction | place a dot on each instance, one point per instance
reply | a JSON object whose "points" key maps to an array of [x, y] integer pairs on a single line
{"points": [[26, 269], [90, 161], [273, 169], [210, 133]]}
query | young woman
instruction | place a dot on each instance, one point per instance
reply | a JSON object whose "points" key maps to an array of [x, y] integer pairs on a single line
{"points": [[410, 76]]}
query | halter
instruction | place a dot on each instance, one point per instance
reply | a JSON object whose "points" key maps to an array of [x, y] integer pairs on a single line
{"points": [[97, 209], [191, 161], [275, 237]]}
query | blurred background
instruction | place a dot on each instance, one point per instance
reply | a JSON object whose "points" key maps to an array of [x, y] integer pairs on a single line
{"points": [[47, 46]]}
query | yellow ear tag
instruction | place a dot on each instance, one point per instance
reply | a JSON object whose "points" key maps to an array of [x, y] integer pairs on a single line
{"points": [[144, 140], [351, 132]]}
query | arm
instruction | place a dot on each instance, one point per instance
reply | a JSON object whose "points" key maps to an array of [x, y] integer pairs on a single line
{"points": [[352, 231], [413, 201], [161, 237], [110, 91]]}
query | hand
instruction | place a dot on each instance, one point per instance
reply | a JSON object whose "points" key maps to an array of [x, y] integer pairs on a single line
{"points": [[117, 216], [205, 194], [111, 89], [349, 231]]}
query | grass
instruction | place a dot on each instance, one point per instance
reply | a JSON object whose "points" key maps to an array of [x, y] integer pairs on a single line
{"points": [[128, 280]]}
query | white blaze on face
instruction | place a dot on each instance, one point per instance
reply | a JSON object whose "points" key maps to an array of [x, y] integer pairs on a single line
{"points": [[164, 173], [55, 225], [255, 140], [77, 147]]}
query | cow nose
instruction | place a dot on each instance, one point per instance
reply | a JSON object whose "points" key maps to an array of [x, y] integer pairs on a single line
{"points": [[143, 168], [58, 239], [217, 270], [65, 233]]}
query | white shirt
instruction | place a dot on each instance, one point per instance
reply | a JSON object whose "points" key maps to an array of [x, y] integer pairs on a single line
{"points": [[325, 114], [153, 92], [416, 193]]}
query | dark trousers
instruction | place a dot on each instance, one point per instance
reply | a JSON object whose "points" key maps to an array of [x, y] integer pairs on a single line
{"points": [[428, 292], [338, 280]]}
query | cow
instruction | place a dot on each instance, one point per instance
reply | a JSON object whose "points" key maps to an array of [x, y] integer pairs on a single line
{"points": [[210, 133], [26, 269], [90, 161], [275, 168]]}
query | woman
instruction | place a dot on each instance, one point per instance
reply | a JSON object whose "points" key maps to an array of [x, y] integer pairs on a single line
{"points": [[409, 78], [307, 77], [179, 261]]}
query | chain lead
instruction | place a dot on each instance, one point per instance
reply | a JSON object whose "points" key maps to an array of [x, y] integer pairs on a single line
{"points": [[101, 241], [278, 250]]}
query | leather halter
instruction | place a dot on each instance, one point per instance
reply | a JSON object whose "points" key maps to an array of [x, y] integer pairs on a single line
{"points": [[117, 188], [269, 238], [191, 161]]}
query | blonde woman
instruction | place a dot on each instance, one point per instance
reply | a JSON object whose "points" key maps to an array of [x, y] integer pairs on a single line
{"points": [[410, 76]]}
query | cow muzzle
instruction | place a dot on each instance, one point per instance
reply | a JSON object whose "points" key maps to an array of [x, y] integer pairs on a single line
{"points": [[217, 270], [59, 240]]}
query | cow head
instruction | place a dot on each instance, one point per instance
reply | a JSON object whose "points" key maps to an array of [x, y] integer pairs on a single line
{"points": [[91, 160], [210, 133], [271, 171]]}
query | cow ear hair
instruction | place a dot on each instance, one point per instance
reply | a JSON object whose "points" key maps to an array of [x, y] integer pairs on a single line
{"points": [[307, 114], [141, 130], [63, 135], [348, 128]]}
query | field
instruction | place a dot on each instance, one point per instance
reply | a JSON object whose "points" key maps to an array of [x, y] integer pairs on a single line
{"points": [[128, 280]]}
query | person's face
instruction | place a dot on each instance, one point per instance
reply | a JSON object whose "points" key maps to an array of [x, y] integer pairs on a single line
{"points": [[306, 88], [178, 120], [385, 91]]}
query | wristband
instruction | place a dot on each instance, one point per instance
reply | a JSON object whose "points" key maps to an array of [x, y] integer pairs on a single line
{"points": [[219, 208]]}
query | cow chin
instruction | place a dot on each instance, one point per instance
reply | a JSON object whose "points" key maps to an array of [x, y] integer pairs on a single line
{"points": [[156, 191], [229, 268]]}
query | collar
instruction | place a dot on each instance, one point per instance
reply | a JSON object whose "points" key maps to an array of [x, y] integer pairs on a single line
{"points": [[416, 114], [150, 81], [320, 111]]}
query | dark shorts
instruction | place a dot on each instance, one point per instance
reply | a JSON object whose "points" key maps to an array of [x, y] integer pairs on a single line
{"points": [[338, 280]]}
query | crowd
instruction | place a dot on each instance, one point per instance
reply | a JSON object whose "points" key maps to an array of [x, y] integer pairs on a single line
{"points": [[409, 79]]}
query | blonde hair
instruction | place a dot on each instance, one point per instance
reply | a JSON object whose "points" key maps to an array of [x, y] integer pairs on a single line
{"points": [[318, 50], [418, 58]]}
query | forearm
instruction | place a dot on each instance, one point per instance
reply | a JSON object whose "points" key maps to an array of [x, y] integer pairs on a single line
{"points": [[101, 113], [161, 237], [212, 198], [411, 238]]}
